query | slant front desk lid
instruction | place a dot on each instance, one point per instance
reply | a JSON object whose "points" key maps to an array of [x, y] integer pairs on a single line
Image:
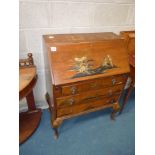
{"points": [[79, 57]]}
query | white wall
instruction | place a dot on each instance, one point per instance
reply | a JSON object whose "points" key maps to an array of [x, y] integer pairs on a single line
{"points": [[38, 17]]}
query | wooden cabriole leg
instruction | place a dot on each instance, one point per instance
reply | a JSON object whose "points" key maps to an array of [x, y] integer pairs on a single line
{"points": [[116, 108], [55, 122], [30, 101], [56, 135]]}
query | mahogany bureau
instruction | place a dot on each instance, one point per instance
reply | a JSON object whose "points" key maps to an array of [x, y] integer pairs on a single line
{"points": [[84, 73]]}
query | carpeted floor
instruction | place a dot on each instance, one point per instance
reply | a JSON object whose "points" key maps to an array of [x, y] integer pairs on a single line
{"points": [[90, 134]]}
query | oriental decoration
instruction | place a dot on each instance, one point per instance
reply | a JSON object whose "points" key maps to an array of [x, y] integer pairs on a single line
{"points": [[84, 66]]}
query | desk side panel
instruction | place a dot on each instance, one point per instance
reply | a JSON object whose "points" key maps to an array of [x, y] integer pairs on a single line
{"points": [[48, 78]]}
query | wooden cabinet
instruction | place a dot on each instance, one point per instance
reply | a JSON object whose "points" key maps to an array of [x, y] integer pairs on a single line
{"points": [[85, 73]]}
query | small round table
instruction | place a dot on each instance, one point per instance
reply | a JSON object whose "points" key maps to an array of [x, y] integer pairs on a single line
{"points": [[28, 121]]}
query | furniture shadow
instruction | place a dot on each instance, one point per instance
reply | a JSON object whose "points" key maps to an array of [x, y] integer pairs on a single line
{"points": [[77, 120]]}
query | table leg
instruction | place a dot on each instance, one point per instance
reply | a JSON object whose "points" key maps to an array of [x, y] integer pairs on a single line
{"points": [[30, 101], [29, 120]]}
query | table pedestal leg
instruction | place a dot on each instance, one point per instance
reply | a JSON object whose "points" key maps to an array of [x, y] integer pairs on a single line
{"points": [[30, 101], [29, 120]]}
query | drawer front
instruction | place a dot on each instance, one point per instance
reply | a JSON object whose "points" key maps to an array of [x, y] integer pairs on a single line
{"points": [[94, 85], [89, 96], [84, 107]]}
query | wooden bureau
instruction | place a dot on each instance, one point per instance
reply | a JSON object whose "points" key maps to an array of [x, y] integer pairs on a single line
{"points": [[84, 73]]}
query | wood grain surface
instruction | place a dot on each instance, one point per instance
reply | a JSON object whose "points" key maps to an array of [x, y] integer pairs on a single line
{"points": [[26, 75], [95, 47], [88, 72]]}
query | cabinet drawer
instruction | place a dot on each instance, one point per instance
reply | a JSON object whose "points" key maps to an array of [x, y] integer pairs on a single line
{"points": [[76, 109], [89, 96], [93, 84]]}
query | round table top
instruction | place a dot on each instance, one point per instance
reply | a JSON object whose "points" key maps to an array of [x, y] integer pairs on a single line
{"points": [[26, 75]]}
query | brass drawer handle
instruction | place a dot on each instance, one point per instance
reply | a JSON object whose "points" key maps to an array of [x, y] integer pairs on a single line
{"points": [[113, 81], [120, 82], [71, 101], [73, 90]]}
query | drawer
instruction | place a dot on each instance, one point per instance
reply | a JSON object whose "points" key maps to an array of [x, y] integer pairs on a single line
{"points": [[93, 84], [88, 106], [89, 96]]}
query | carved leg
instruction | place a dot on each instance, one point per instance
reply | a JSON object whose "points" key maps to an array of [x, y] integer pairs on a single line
{"points": [[113, 115], [55, 124], [116, 108], [56, 135]]}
